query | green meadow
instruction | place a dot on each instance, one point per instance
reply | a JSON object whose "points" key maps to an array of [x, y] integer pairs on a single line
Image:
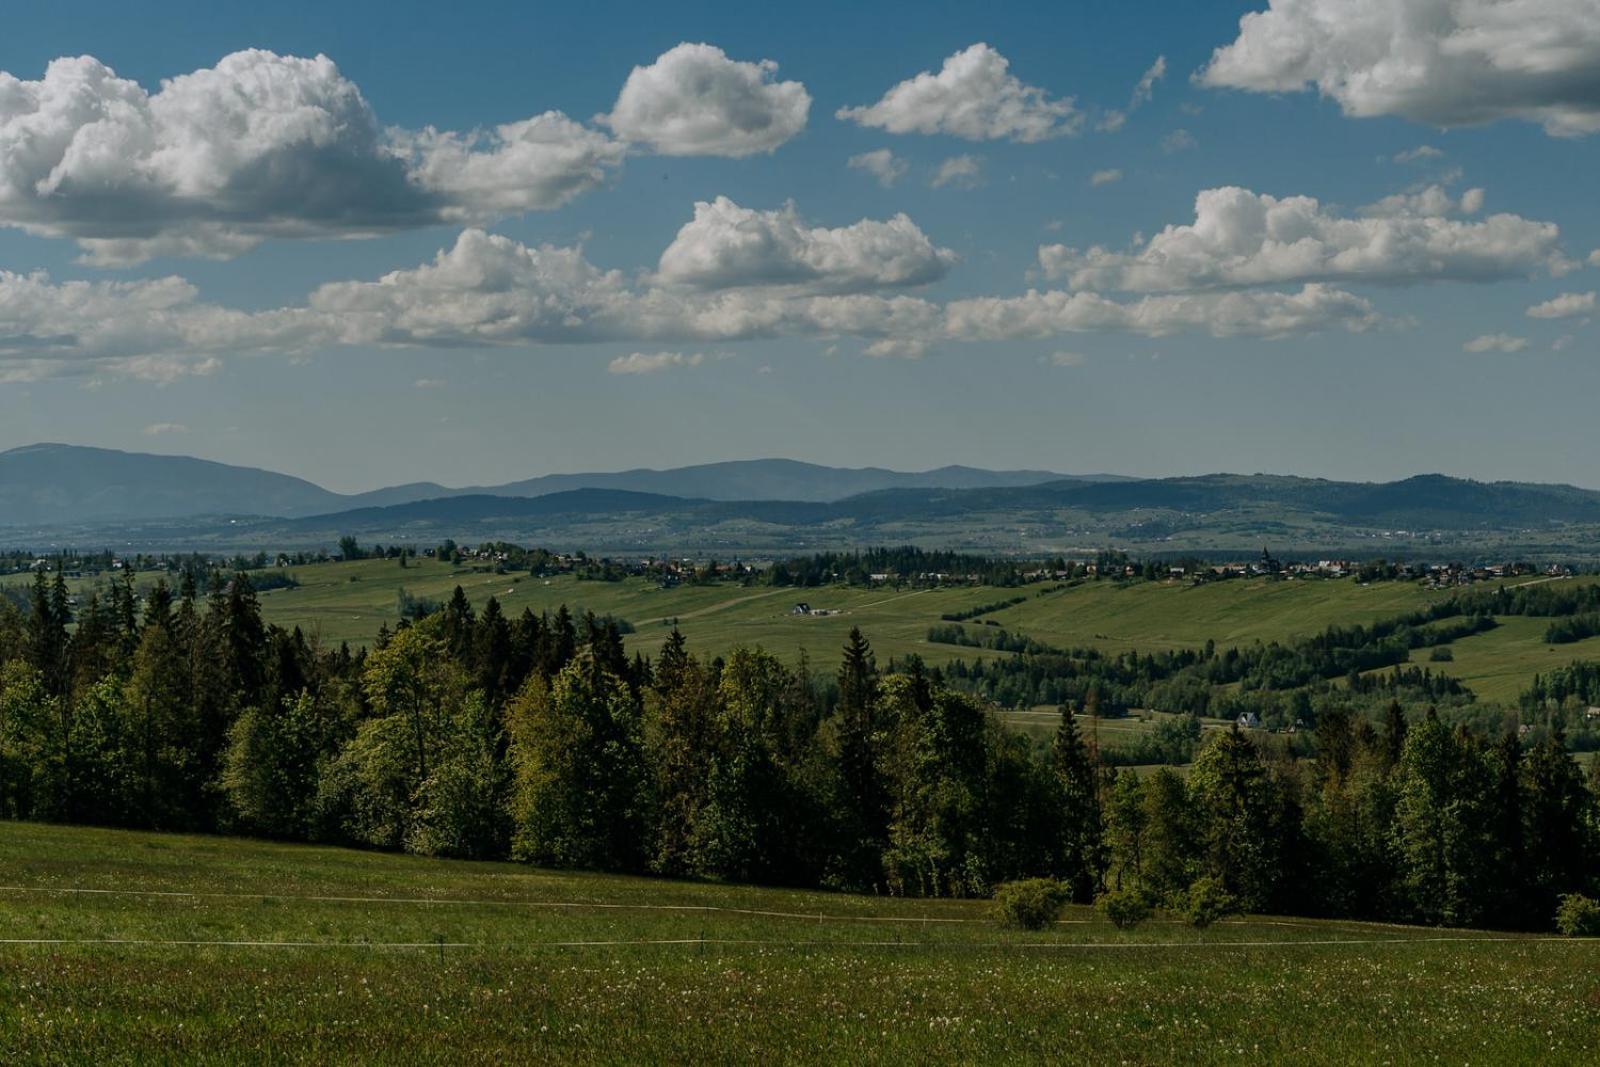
{"points": [[1499, 664], [349, 601], [124, 947]]}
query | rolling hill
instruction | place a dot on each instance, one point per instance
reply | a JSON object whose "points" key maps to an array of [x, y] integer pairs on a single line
{"points": [[56, 484], [1215, 514]]}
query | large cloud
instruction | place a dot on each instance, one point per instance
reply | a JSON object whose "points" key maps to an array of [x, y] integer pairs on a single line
{"points": [[491, 291], [155, 329], [259, 146], [974, 96], [695, 101], [726, 246], [1240, 238], [1443, 62], [488, 289], [484, 289]]}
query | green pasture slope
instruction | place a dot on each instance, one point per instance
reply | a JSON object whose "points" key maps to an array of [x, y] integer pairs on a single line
{"points": [[1499, 664], [349, 601], [1152, 616], [121, 947]]}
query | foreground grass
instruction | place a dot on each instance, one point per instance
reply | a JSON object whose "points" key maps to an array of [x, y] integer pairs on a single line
{"points": [[508, 963]]}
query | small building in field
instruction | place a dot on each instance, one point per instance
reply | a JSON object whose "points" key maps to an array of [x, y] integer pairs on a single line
{"points": [[1248, 720], [801, 608]]}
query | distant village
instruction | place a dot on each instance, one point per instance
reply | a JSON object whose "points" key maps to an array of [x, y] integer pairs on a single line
{"points": [[834, 569]]}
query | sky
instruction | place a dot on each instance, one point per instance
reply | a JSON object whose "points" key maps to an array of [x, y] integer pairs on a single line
{"points": [[370, 243]]}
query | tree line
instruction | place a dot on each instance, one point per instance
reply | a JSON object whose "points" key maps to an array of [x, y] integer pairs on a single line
{"points": [[467, 733]]}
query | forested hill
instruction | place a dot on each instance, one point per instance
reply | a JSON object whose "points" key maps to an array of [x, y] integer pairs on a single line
{"points": [[1423, 502], [782, 479], [49, 484]]}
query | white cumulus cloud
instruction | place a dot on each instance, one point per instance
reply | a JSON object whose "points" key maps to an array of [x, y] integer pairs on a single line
{"points": [[1564, 306], [726, 246], [1241, 238], [533, 165], [491, 291], [1039, 315], [974, 96], [260, 145], [695, 101], [157, 329], [1105, 177], [1442, 62]]}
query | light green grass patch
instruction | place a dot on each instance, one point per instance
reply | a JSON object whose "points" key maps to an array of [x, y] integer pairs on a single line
{"points": [[233, 951]]}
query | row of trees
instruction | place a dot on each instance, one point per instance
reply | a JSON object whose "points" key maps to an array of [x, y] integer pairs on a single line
{"points": [[539, 738]]}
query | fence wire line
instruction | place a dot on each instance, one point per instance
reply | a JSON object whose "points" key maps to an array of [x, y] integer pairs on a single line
{"points": [[472, 902], [704, 909]]}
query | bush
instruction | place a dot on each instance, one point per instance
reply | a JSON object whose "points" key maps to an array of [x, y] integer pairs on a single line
{"points": [[1441, 654], [1207, 902], [1031, 904], [1578, 916], [1126, 908]]}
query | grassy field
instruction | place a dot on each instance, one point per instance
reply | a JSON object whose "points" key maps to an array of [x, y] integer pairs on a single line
{"points": [[1500, 664], [1150, 616], [131, 947], [348, 601]]}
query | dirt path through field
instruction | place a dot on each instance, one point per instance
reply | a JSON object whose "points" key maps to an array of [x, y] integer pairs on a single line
{"points": [[714, 608]]}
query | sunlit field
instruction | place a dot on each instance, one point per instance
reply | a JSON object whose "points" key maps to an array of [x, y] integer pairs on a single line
{"points": [[138, 947], [349, 601]]}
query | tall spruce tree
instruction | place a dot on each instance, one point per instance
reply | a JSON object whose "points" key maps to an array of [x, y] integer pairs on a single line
{"points": [[1077, 773], [867, 805]]}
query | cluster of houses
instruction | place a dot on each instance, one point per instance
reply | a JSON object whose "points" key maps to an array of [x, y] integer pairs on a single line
{"points": [[1435, 575], [1440, 576]]}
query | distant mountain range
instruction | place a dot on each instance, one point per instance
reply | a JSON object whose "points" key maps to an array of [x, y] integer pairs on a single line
{"points": [[66, 495], [1429, 502], [53, 484]]}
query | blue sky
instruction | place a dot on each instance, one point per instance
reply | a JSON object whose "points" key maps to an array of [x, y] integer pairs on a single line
{"points": [[1394, 338]]}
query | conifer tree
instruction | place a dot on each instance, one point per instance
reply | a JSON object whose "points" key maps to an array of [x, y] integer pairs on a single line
{"points": [[1083, 825], [867, 814]]}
